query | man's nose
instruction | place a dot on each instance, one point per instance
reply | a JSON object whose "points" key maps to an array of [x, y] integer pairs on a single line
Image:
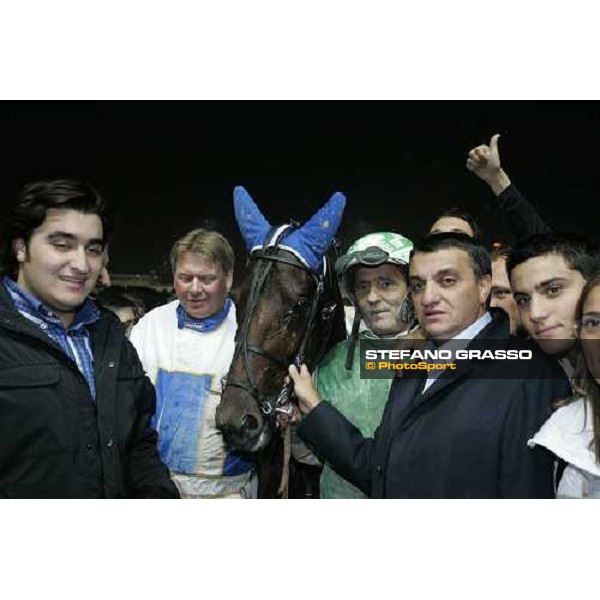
{"points": [[80, 260], [196, 286], [538, 309], [372, 295], [430, 294]]}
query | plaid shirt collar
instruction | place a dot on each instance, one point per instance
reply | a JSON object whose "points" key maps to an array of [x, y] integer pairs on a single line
{"points": [[87, 314]]}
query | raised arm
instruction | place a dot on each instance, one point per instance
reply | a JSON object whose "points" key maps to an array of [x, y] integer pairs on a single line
{"points": [[521, 217]]}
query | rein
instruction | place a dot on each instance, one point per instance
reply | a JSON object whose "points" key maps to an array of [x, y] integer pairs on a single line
{"points": [[268, 256]]}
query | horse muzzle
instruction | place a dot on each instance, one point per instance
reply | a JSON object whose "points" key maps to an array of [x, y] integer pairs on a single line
{"points": [[247, 432]]}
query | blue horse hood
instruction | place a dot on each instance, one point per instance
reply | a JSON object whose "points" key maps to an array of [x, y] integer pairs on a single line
{"points": [[309, 242]]}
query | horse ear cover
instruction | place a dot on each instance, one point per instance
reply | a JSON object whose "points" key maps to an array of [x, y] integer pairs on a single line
{"points": [[314, 237], [310, 241], [253, 226]]}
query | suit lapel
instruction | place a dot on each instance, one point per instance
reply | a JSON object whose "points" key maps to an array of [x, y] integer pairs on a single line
{"points": [[496, 329], [423, 403], [402, 394], [408, 401], [446, 379]]}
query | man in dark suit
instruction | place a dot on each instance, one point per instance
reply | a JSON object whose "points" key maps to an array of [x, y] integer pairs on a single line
{"points": [[448, 434]]}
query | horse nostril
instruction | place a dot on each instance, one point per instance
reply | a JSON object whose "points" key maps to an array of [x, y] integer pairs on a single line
{"points": [[249, 422]]}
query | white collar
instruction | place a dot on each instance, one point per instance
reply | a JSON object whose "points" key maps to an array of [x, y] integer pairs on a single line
{"points": [[470, 332], [568, 433], [466, 335], [474, 329]]}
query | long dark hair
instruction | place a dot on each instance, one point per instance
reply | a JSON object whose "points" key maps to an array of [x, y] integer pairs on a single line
{"points": [[584, 384]]}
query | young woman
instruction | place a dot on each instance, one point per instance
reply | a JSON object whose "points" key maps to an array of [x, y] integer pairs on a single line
{"points": [[573, 432]]}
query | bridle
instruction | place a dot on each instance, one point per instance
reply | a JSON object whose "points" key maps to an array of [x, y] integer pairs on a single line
{"points": [[267, 256]]}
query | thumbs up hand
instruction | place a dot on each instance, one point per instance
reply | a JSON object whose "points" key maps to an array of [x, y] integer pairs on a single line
{"points": [[484, 161]]}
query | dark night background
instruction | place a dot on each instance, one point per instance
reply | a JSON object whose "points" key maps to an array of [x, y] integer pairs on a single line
{"points": [[172, 166]]}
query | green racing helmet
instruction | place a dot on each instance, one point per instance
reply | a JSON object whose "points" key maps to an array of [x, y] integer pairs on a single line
{"points": [[372, 250]]}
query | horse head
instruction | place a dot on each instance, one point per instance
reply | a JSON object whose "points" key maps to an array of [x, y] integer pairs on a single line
{"points": [[289, 310]]}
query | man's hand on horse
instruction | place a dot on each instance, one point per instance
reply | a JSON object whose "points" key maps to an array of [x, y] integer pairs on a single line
{"points": [[292, 417], [304, 389]]}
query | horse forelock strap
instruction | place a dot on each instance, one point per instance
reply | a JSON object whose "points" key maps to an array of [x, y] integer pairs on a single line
{"points": [[273, 238], [276, 240]]}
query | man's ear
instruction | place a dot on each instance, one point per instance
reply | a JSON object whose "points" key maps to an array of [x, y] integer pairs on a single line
{"points": [[485, 288], [20, 250]]}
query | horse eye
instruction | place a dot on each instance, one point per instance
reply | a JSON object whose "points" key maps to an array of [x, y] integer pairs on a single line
{"points": [[300, 306], [294, 313]]}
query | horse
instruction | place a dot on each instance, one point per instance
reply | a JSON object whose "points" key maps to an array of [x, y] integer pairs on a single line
{"points": [[289, 311]]}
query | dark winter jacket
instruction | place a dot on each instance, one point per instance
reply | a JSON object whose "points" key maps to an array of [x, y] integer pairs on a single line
{"points": [[55, 441], [465, 437]]}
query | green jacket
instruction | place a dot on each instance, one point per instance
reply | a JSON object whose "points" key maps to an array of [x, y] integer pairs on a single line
{"points": [[360, 400]]}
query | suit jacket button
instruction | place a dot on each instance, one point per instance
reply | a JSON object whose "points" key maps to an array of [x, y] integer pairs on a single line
{"points": [[379, 469]]}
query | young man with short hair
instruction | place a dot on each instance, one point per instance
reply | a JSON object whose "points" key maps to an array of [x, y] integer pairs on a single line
{"points": [[75, 405], [547, 273]]}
